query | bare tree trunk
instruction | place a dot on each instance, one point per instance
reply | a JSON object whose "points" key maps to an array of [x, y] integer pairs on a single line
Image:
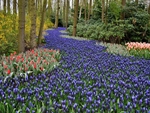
{"points": [[42, 21], [103, 10], [29, 7], [0, 4], [49, 8], [67, 11], [72, 4], [8, 6], [149, 9], [76, 5], [64, 13], [39, 7], [80, 13], [33, 25], [4, 6], [92, 7], [123, 3], [14, 7], [85, 10], [36, 4], [106, 11], [57, 15], [21, 33], [89, 11], [136, 1]]}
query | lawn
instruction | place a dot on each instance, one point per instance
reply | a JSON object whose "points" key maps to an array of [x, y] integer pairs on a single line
{"points": [[87, 80]]}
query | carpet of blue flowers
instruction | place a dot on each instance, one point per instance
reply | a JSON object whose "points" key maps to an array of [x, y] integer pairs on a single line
{"points": [[88, 80]]}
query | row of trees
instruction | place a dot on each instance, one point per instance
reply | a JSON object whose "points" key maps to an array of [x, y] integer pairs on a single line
{"points": [[67, 10], [86, 8], [32, 13], [104, 4], [32, 9], [115, 21]]}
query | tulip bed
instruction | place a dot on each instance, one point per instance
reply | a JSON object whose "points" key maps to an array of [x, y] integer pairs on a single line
{"points": [[139, 49], [32, 61], [88, 80]]}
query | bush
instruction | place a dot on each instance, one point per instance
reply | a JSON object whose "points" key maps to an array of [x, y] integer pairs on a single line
{"points": [[8, 33], [111, 32], [134, 26], [33, 61]]}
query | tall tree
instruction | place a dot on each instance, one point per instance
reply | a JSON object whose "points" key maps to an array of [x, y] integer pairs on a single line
{"points": [[49, 8], [89, 9], [123, 3], [76, 5], [21, 33], [33, 24], [67, 12], [64, 13], [40, 6], [0, 4], [36, 4], [29, 7], [57, 14], [103, 10], [106, 11], [136, 1], [85, 17], [8, 6], [72, 4], [81, 5], [14, 7], [42, 21], [4, 6], [149, 9]]}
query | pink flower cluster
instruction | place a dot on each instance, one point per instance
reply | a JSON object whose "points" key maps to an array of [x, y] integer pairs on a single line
{"points": [[138, 46]]}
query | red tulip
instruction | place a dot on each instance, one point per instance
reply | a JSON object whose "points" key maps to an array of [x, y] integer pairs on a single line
{"points": [[8, 71], [34, 65], [15, 53], [41, 68], [5, 66]]}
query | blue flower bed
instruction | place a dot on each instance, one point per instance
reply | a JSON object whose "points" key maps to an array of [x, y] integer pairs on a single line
{"points": [[88, 80]]}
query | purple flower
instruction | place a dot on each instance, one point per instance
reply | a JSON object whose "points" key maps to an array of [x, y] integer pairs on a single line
{"points": [[75, 105]]}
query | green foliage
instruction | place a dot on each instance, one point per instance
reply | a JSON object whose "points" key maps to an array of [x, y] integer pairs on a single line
{"points": [[140, 53], [135, 27], [114, 10], [111, 32], [6, 108], [97, 10], [139, 18]]}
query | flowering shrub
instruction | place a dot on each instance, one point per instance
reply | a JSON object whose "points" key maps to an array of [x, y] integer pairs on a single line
{"points": [[139, 49], [88, 79], [8, 33], [34, 61]]}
